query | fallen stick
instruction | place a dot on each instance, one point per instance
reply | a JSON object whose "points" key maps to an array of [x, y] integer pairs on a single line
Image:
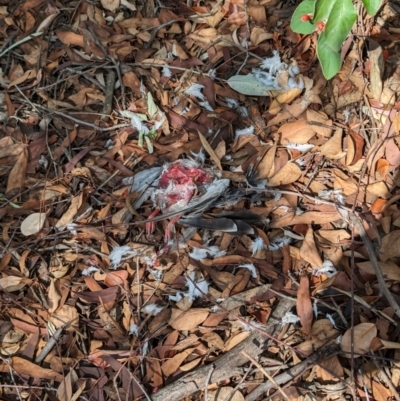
{"points": [[293, 372], [227, 365]]}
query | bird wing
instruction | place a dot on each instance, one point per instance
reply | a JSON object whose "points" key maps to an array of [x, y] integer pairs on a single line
{"points": [[198, 203]]}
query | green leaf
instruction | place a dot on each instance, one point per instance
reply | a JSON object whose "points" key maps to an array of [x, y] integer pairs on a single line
{"points": [[150, 147], [140, 139], [299, 26], [341, 19], [248, 85], [329, 59], [14, 205], [130, 114], [372, 6], [151, 106], [322, 10]]}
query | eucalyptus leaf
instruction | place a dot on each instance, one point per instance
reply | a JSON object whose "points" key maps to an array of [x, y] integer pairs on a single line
{"points": [[151, 106], [307, 7], [248, 85], [330, 60], [150, 147], [140, 139], [341, 19], [130, 114], [372, 6]]}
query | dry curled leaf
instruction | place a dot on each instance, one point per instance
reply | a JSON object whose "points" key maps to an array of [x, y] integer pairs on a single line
{"points": [[189, 320], [304, 305], [364, 333], [33, 224]]}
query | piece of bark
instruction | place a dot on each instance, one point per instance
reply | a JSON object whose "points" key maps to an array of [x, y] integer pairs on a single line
{"points": [[227, 365]]}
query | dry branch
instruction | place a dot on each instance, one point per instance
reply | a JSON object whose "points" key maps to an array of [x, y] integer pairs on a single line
{"points": [[228, 365]]}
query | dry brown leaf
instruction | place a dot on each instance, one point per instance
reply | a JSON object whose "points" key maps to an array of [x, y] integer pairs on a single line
{"points": [[25, 367], [378, 343], [334, 236], [111, 5], [70, 38], [258, 35], [53, 296], [213, 340], [390, 247], [348, 186], [322, 119], [30, 74], [189, 320], [308, 250], [377, 65], [313, 217], [364, 333], [190, 365], [66, 314], [33, 224], [16, 178], [64, 391], [283, 98], [299, 132], [382, 168], [287, 175], [265, 168], [119, 278], [209, 150], [379, 189], [332, 149], [236, 339], [304, 305], [333, 372], [389, 269], [172, 365], [69, 215], [13, 283], [159, 320]]}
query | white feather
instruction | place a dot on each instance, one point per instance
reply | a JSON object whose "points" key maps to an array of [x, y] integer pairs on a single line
{"points": [[257, 245], [244, 131], [119, 253], [166, 71], [206, 105], [251, 268], [290, 318], [152, 308], [195, 90], [89, 271], [197, 289], [300, 147], [134, 329], [203, 253]]}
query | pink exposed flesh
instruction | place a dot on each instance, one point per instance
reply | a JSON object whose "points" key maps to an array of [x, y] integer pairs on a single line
{"points": [[179, 182]]}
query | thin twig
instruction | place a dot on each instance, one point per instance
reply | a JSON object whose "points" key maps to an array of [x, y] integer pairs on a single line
{"points": [[155, 32], [27, 386], [288, 375], [236, 388], [385, 377], [140, 386], [208, 382], [267, 375], [81, 122], [358, 299], [52, 342], [375, 264], [20, 42]]}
